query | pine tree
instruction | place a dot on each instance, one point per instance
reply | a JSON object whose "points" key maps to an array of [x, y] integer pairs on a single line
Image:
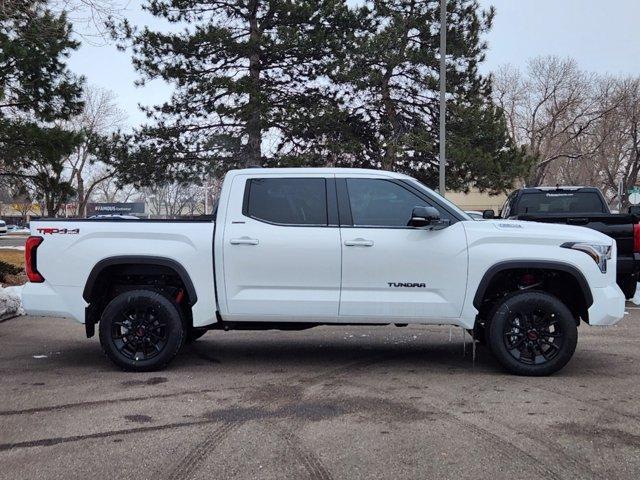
{"points": [[36, 89], [248, 82], [390, 77]]}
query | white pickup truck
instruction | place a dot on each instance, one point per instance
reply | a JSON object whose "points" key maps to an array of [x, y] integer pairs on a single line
{"points": [[296, 248]]}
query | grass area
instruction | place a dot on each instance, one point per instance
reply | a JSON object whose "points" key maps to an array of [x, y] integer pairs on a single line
{"points": [[14, 257]]}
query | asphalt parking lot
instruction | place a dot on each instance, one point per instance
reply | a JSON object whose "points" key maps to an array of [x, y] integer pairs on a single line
{"points": [[326, 403]]}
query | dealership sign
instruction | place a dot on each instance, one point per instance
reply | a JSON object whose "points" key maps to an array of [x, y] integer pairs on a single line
{"points": [[114, 208]]}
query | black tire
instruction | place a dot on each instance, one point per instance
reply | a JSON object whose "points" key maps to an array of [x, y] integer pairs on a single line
{"points": [[628, 284], [533, 333], [194, 334], [141, 331]]}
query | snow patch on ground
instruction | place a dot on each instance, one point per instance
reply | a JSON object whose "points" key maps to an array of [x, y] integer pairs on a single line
{"points": [[2, 247], [11, 301], [636, 297]]}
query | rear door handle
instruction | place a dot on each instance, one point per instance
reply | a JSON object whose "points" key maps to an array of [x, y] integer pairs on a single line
{"points": [[244, 241], [358, 242]]}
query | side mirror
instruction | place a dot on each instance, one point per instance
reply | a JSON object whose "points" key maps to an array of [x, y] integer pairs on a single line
{"points": [[424, 217], [488, 214]]}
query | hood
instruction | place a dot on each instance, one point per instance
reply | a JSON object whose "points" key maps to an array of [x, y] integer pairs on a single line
{"points": [[532, 233]]}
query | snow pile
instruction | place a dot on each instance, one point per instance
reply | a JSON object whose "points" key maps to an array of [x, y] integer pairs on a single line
{"points": [[11, 301]]}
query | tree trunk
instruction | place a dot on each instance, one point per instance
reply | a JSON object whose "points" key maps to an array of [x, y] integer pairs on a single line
{"points": [[536, 175], [50, 205], [80, 209], [254, 128], [391, 139]]}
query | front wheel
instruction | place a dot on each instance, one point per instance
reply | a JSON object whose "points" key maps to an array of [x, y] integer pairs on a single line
{"points": [[141, 331], [533, 333]]}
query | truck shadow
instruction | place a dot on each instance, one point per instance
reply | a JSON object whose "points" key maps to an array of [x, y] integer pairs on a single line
{"points": [[242, 353], [436, 355]]}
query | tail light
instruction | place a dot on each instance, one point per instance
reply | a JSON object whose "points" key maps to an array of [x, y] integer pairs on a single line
{"points": [[636, 238], [30, 259]]}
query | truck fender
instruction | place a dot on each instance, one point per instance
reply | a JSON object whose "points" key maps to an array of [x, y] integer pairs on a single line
{"points": [[139, 260], [532, 264]]}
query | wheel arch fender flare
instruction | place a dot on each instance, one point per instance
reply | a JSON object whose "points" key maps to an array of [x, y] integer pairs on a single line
{"points": [[495, 269], [99, 267]]}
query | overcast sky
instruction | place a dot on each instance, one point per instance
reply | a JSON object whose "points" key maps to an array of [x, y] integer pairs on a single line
{"points": [[603, 36]]}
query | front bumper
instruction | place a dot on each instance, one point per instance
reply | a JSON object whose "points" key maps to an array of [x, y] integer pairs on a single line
{"points": [[608, 305]]}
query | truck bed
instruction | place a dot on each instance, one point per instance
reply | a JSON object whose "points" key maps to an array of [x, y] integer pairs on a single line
{"points": [[72, 248]]}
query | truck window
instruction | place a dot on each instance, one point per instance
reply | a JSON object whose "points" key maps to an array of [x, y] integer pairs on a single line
{"points": [[559, 202], [382, 203], [287, 201]]}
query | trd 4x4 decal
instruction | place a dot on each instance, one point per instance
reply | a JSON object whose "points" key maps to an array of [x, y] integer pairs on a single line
{"points": [[58, 231]]}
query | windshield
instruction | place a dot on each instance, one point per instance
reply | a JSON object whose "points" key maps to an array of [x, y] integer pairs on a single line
{"points": [[452, 206], [560, 202]]}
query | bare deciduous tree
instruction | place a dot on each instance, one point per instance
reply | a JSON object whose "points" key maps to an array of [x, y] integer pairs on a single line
{"points": [[549, 109], [99, 117], [174, 199], [616, 138], [581, 128], [90, 16], [109, 191]]}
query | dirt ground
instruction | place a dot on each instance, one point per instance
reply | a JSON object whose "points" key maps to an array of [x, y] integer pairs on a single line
{"points": [[326, 403]]}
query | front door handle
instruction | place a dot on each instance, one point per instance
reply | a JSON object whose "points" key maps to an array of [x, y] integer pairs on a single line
{"points": [[358, 242], [244, 241]]}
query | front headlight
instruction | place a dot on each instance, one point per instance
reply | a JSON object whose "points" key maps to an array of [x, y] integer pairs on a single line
{"points": [[600, 253]]}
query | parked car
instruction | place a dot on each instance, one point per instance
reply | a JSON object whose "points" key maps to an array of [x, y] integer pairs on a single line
{"points": [[292, 249], [17, 229], [3, 227], [585, 207]]}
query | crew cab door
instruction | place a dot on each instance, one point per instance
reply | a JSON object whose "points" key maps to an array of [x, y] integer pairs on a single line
{"points": [[281, 248], [392, 272]]}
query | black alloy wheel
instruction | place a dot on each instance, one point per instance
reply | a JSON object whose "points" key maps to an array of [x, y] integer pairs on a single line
{"points": [[140, 333], [141, 330], [532, 333]]}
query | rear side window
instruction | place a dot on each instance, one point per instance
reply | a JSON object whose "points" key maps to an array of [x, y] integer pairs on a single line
{"points": [[560, 202], [287, 201]]}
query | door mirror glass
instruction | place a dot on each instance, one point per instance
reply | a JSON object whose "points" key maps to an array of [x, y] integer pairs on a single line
{"points": [[488, 214], [424, 217]]}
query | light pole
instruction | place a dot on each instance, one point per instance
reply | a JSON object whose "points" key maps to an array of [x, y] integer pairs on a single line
{"points": [[443, 91]]}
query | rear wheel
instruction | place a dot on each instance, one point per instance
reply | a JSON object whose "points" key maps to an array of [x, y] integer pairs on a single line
{"points": [[533, 333], [141, 330]]}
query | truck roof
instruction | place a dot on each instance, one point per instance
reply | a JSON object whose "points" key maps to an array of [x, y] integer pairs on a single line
{"points": [[559, 187], [303, 170]]}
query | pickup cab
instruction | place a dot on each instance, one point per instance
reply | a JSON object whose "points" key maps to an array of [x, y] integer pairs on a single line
{"points": [[296, 248], [585, 207]]}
